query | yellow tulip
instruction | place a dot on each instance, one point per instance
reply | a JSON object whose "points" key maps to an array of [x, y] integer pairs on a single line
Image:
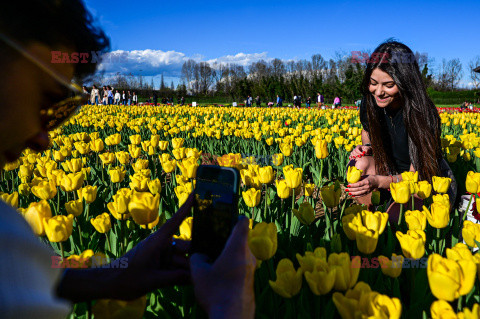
{"points": [[251, 197], [410, 176], [119, 207], [321, 150], [143, 207], [10, 199], [140, 164], [293, 177], [265, 174], [305, 213], [472, 182], [135, 139], [58, 228], [331, 195], [74, 207], [139, 182], [400, 192], [286, 149], [45, 190], [308, 189], [188, 167], [283, 190], [193, 152], [449, 279], [471, 233], [24, 189], [97, 145], [345, 275], [123, 157], [102, 223], [134, 151], [114, 139], [348, 304], [120, 309], [416, 220], [154, 186], [438, 216], [117, 174], [185, 229], [459, 252], [229, 160], [391, 268], [353, 174], [277, 159], [289, 280], [163, 145], [262, 240], [442, 309], [35, 214], [441, 184], [177, 142], [374, 220], [179, 153], [74, 165], [367, 239], [72, 182], [88, 193], [106, 158], [424, 189], [412, 243]]}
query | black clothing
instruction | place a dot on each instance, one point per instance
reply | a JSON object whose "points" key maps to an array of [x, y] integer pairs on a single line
{"points": [[397, 140]]}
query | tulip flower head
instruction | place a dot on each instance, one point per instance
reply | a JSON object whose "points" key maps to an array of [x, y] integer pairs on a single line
{"points": [[289, 280], [353, 174]]}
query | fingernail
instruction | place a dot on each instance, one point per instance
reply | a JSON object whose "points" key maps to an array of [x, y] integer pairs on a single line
{"points": [[347, 190], [350, 194]]}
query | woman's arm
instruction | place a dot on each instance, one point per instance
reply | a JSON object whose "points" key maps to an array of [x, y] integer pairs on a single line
{"points": [[365, 137]]}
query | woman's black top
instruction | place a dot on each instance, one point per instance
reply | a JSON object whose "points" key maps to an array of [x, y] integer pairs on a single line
{"points": [[396, 143]]}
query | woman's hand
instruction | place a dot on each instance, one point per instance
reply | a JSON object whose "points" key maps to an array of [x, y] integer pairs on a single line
{"points": [[360, 150], [225, 288], [366, 185]]}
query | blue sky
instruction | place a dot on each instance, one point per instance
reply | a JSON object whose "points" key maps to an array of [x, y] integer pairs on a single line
{"points": [[245, 31]]}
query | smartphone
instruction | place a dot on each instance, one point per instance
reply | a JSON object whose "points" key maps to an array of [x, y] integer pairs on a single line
{"points": [[215, 208]]}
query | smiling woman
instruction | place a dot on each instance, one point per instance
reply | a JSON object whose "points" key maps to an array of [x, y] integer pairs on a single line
{"points": [[401, 125]]}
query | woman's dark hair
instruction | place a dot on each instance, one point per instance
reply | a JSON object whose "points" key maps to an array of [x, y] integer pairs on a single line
{"points": [[54, 22], [421, 118]]}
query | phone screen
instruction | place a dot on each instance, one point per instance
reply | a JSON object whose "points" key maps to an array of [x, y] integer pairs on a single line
{"points": [[215, 209]]}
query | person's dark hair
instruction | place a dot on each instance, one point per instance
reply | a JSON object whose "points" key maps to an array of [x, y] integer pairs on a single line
{"points": [[54, 22], [420, 115]]}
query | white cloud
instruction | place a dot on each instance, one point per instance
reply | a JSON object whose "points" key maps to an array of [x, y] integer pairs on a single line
{"points": [[169, 63]]}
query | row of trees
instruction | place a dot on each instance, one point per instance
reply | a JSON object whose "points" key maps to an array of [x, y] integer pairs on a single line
{"points": [[338, 76]]}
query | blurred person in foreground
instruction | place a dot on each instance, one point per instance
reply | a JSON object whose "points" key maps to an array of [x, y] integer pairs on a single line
{"points": [[37, 97]]}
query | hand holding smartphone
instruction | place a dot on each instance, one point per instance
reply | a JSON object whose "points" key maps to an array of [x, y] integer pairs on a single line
{"points": [[215, 208]]}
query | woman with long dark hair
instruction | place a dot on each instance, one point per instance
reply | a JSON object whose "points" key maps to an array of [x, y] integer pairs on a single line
{"points": [[401, 125]]}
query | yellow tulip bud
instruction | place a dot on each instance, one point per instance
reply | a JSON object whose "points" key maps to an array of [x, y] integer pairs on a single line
{"points": [[410, 176], [283, 190], [391, 268], [179, 153], [88, 193], [58, 228], [185, 229], [308, 189], [416, 220], [177, 142], [97, 145], [74, 207], [289, 281], [353, 174], [305, 213], [251, 197], [277, 159], [424, 189], [45, 190], [321, 150], [286, 149], [119, 207], [400, 192], [472, 182], [72, 182], [345, 275], [441, 184], [265, 174], [331, 195], [471, 233], [106, 158], [442, 309], [412, 243], [102, 223], [35, 214], [449, 279], [163, 145], [144, 207], [438, 216], [262, 240], [154, 186]]}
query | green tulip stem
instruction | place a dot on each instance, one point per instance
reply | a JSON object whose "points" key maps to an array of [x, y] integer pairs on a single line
{"points": [[438, 240], [401, 215], [87, 210], [265, 200], [61, 249], [331, 223], [79, 232], [281, 208], [468, 207], [58, 204], [413, 202], [108, 242], [321, 172], [459, 304], [253, 214]]}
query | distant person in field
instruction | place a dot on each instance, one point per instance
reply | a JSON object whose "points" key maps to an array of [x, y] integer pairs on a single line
{"points": [[257, 101], [279, 101], [118, 97], [308, 102], [94, 95], [155, 98], [320, 99], [336, 102], [129, 98], [134, 98], [182, 101], [124, 98], [401, 130], [110, 95]]}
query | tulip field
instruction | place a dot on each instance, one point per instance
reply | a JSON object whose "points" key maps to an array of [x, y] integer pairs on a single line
{"points": [[115, 174]]}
